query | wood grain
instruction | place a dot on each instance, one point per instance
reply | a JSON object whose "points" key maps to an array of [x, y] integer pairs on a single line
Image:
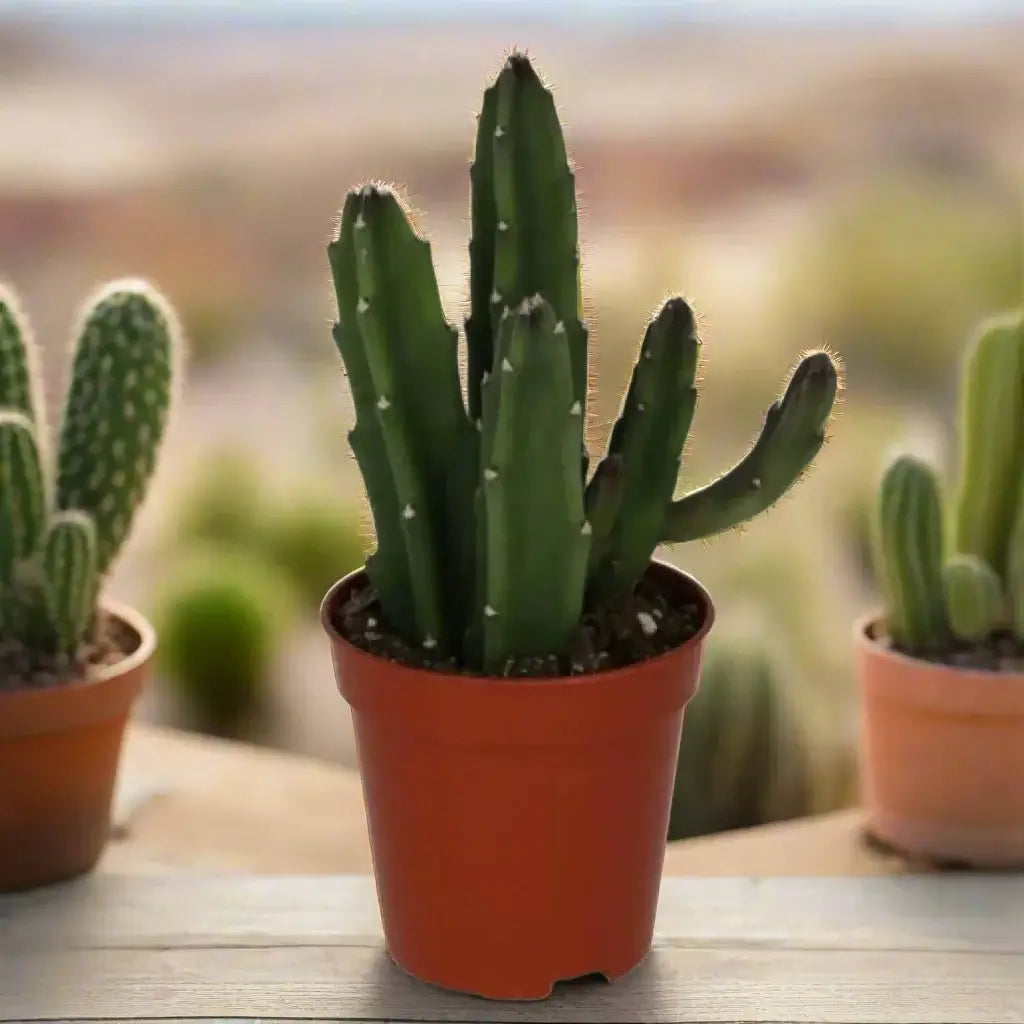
{"points": [[917, 948]]}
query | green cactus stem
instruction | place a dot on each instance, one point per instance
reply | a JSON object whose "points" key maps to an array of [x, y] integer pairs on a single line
{"points": [[991, 426], [524, 222], [122, 382], [974, 597], [537, 538], [792, 435], [19, 377], [648, 438], [1015, 568], [414, 443], [22, 494], [69, 578], [910, 542]]}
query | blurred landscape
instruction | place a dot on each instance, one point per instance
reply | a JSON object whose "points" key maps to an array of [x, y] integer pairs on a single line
{"points": [[842, 182]]}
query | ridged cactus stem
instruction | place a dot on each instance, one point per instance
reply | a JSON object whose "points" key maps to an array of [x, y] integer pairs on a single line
{"points": [[974, 597], [603, 498], [123, 380], [1015, 567], [992, 456], [648, 437], [23, 508], [537, 539], [910, 548], [415, 445], [792, 435], [20, 377], [524, 221], [69, 578]]}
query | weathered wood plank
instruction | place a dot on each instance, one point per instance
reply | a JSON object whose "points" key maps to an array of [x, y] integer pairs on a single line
{"points": [[924, 948]]}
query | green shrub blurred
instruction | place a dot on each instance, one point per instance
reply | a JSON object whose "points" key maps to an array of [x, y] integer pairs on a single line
{"points": [[313, 538], [743, 759], [900, 272], [222, 503], [221, 616]]}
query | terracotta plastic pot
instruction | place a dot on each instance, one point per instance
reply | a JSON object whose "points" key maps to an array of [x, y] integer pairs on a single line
{"points": [[518, 826], [942, 756], [59, 752]]}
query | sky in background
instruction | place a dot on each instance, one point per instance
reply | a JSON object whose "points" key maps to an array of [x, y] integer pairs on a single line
{"points": [[301, 10]]}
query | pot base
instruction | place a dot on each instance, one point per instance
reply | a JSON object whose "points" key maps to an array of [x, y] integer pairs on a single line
{"points": [[524, 989], [949, 847]]}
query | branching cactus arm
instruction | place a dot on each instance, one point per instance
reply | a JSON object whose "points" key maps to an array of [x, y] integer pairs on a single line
{"points": [[974, 597]]}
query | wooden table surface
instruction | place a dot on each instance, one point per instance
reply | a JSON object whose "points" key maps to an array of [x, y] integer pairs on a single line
{"points": [[194, 804], [130, 948]]}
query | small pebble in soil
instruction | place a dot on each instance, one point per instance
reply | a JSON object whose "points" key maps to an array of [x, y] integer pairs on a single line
{"points": [[641, 626]]}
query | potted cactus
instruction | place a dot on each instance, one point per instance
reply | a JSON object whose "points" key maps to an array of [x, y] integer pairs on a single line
{"points": [[942, 671], [516, 662], [71, 662]]}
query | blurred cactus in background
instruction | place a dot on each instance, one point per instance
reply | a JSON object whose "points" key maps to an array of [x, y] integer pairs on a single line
{"points": [[956, 580], [62, 525], [744, 757], [222, 616]]}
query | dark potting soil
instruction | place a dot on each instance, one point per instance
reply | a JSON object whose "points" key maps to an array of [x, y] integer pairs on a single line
{"points": [[1001, 652], [22, 669], [643, 625]]}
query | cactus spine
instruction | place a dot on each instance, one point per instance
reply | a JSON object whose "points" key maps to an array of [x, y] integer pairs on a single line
{"points": [[491, 543], [962, 584], [58, 539]]}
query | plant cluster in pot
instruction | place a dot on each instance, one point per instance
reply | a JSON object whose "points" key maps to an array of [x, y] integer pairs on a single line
{"points": [[942, 670], [71, 662], [516, 663]]}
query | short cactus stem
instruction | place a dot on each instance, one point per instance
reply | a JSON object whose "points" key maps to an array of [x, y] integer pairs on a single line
{"points": [[974, 597]]}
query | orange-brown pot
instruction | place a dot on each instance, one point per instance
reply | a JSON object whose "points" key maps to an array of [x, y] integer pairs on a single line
{"points": [[518, 826], [942, 756], [59, 752]]}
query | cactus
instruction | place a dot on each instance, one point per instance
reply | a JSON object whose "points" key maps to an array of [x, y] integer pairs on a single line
{"points": [[491, 544], [61, 528], [963, 583], [743, 759]]}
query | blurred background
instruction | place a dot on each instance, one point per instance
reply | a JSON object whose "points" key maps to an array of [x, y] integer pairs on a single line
{"points": [[805, 173]]}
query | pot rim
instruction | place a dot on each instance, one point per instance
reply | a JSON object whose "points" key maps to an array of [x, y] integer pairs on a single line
{"points": [[867, 642], [522, 682], [135, 621]]}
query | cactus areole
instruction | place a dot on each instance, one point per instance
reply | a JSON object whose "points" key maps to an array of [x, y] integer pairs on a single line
{"points": [[71, 663], [498, 551]]}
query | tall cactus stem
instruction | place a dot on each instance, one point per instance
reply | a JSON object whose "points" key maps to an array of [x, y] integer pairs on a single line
{"points": [[23, 506], [910, 547], [123, 381]]}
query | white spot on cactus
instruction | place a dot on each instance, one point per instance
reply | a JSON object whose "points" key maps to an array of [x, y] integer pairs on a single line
{"points": [[362, 305], [429, 642], [485, 376], [499, 132], [586, 529], [490, 612], [408, 512], [360, 221], [756, 482], [560, 327], [504, 313], [371, 622], [639, 406], [383, 403], [506, 366], [490, 474], [479, 426], [108, 503], [495, 296], [502, 225], [647, 353], [366, 191], [576, 409], [648, 625]]}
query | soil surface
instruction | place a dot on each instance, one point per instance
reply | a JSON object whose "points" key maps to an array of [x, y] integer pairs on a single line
{"points": [[1001, 652], [22, 669], [643, 625]]}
